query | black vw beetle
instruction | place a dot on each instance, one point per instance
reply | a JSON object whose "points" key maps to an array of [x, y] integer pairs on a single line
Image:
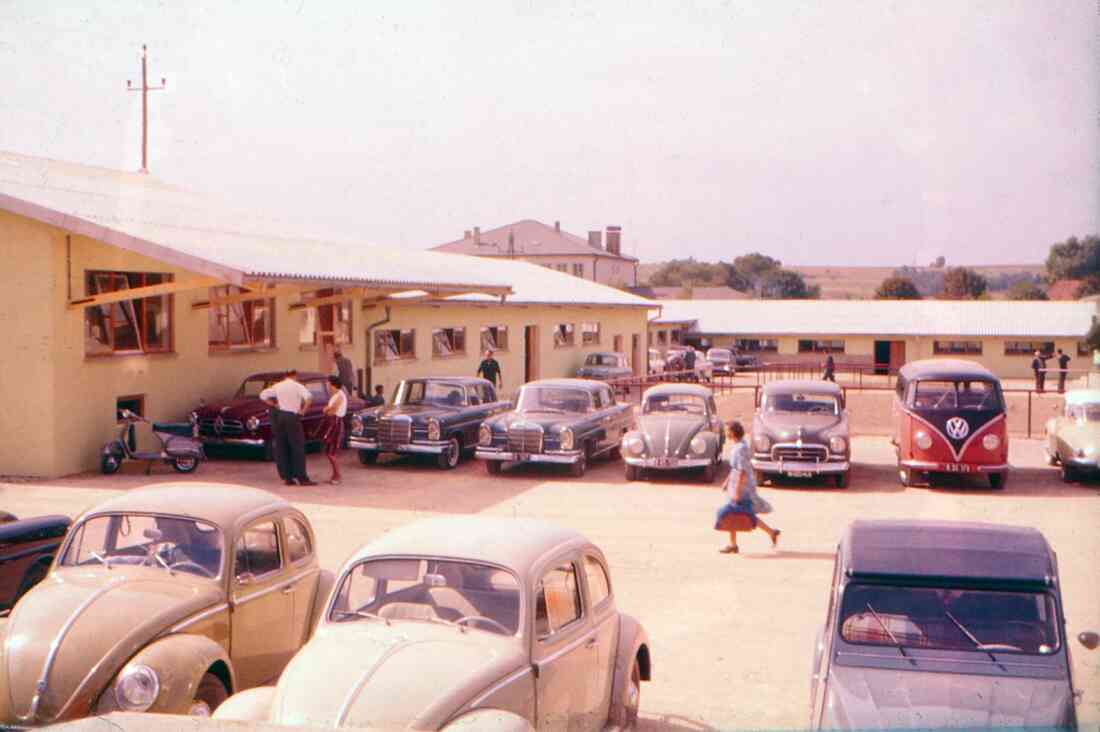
{"points": [[564, 421], [436, 415]]}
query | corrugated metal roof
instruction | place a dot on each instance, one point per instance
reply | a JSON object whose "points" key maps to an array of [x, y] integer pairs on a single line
{"points": [[530, 238], [139, 213], [884, 317]]}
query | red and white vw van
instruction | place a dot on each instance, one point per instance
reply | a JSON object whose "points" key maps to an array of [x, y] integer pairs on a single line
{"points": [[949, 417]]}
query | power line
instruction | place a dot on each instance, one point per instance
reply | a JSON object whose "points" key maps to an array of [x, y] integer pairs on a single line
{"points": [[145, 89]]}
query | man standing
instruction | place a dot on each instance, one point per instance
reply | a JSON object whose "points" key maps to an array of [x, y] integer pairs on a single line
{"points": [[1038, 364], [345, 371], [1063, 364], [490, 369], [830, 369], [289, 400], [689, 363]]}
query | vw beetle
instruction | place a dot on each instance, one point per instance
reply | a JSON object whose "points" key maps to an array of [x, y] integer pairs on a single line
{"points": [[678, 428], [465, 623], [1073, 437], [163, 599]]}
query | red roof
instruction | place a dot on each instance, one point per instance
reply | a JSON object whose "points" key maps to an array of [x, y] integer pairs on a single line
{"points": [[1064, 290], [531, 238]]}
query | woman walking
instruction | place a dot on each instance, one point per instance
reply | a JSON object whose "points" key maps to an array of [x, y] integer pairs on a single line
{"points": [[332, 425], [740, 489]]}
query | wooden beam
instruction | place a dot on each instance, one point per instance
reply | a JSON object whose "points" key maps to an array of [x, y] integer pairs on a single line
{"points": [[135, 293], [262, 293], [317, 302]]}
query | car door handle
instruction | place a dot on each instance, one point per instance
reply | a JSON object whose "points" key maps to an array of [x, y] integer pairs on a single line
{"points": [[591, 642], [289, 588]]}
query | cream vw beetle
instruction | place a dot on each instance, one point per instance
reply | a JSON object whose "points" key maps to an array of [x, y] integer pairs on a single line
{"points": [[471, 622], [145, 610]]}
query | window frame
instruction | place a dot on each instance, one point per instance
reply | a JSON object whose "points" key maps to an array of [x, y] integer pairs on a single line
{"points": [[450, 335], [578, 269], [558, 633], [225, 311], [308, 536], [280, 549], [343, 307], [1083, 350], [1018, 347], [957, 347], [376, 356], [821, 345], [591, 333], [597, 605], [129, 309], [757, 345], [568, 337], [496, 338]]}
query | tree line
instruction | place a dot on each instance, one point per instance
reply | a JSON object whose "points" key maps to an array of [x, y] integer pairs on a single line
{"points": [[755, 273]]}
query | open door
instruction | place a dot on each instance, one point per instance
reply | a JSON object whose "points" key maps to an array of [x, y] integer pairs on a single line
{"points": [[530, 353], [636, 361], [897, 355]]}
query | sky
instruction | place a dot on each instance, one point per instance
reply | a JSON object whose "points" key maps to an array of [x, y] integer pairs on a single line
{"points": [[845, 133]]}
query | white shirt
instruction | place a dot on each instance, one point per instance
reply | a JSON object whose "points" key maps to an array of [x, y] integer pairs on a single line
{"points": [[339, 400], [288, 393]]}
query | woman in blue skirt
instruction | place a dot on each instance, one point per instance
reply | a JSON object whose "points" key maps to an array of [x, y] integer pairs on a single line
{"points": [[741, 489]]}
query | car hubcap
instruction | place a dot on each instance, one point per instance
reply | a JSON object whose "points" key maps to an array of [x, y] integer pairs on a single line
{"points": [[187, 463], [452, 453], [199, 708]]}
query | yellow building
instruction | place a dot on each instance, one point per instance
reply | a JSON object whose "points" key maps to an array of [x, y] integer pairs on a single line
{"points": [[120, 291], [1003, 335]]}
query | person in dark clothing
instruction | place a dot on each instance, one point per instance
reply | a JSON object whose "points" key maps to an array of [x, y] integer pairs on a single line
{"points": [[830, 369], [689, 363], [346, 371], [289, 400], [1063, 364], [377, 400], [490, 369], [1038, 365]]}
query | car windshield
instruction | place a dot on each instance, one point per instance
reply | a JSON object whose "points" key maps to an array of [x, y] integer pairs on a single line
{"points": [[253, 385], [430, 392], [943, 396], [719, 354], [166, 542], [678, 403], [553, 399], [469, 594], [601, 359], [949, 619], [1084, 412], [801, 402]]}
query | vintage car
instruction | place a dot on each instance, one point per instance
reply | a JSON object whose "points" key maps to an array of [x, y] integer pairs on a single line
{"points": [[435, 415], [949, 417], [1073, 438], [678, 428], [465, 623], [935, 624], [245, 420], [722, 361], [27, 548], [166, 598], [605, 366], [564, 421], [800, 430], [675, 361]]}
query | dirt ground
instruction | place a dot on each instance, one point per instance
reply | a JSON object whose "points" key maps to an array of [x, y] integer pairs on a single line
{"points": [[731, 635]]}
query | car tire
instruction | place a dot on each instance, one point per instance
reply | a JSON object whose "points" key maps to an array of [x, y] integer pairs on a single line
{"points": [[492, 467], [185, 464], [578, 468], [633, 472], [997, 480], [448, 459], [627, 708], [109, 464], [1069, 475], [368, 457], [709, 472], [842, 479], [208, 696]]}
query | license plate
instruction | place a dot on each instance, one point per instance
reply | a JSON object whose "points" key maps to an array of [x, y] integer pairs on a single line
{"points": [[800, 473], [666, 462], [956, 468]]}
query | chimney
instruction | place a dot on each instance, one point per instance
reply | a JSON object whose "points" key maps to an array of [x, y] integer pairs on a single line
{"points": [[557, 227], [477, 235], [595, 239], [614, 240], [466, 235]]}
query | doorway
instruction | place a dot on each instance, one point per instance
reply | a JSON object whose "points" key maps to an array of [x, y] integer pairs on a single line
{"points": [[617, 344], [889, 356], [530, 353], [636, 354]]}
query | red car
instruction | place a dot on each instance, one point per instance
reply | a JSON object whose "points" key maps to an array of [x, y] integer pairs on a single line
{"points": [[245, 419], [26, 552]]}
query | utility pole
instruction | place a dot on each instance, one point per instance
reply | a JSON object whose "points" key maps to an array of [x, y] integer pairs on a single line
{"points": [[145, 89]]}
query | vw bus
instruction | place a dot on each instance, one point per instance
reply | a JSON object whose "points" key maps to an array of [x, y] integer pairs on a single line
{"points": [[949, 417]]}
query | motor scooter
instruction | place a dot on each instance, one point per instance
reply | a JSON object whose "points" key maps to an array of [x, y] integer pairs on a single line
{"points": [[177, 449]]}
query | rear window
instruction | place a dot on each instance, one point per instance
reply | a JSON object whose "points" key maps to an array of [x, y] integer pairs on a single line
{"points": [[944, 396]]}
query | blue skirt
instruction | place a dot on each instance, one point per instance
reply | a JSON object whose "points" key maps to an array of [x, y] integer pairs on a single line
{"points": [[742, 507]]}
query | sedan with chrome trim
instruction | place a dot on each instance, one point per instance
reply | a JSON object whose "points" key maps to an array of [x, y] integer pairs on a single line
{"points": [[605, 366], [800, 430], [678, 428], [461, 623], [435, 415], [168, 599], [563, 421], [1073, 437]]}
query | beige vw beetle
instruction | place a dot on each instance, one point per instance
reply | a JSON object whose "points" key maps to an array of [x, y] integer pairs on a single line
{"points": [[465, 623], [145, 610]]}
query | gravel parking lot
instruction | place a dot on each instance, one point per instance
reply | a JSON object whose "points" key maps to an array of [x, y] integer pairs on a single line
{"points": [[732, 635]]}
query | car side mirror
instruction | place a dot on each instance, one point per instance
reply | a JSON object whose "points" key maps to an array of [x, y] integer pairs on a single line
{"points": [[1089, 639]]}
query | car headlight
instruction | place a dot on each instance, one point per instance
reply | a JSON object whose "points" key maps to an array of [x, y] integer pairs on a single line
{"points": [[566, 438], [923, 440], [697, 445], [485, 435], [991, 442], [634, 445], [434, 430], [838, 444], [137, 688], [252, 423], [762, 442], [356, 425]]}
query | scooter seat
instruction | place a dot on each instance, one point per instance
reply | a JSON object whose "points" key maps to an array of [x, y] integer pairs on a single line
{"points": [[183, 429]]}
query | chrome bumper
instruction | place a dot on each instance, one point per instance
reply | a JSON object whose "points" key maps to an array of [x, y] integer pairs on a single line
{"points": [[249, 441], [951, 467], [422, 447], [565, 457], [1082, 463], [785, 467], [657, 463]]}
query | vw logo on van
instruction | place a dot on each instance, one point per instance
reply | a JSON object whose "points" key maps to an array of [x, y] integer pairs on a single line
{"points": [[957, 428]]}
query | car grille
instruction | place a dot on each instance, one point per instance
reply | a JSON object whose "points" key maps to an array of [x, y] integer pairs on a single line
{"points": [[394, 431], [524, 439], [219, 427], [800, 453]]}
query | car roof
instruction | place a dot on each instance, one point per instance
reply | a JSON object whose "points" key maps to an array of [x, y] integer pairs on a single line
{"points": [[516, 543], [665, 389], [220, 503], [301, 375], [1083, 396], [945, 368], [467, 380], [946, 550], [586, 384], [812, 386]]}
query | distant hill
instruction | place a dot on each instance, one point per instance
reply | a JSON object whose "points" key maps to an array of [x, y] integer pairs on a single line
{"points": [[860, 283]]}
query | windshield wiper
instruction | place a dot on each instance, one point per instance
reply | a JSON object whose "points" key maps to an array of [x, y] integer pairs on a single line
{"points": [[897, 643], [106, 561], [977, 643]]}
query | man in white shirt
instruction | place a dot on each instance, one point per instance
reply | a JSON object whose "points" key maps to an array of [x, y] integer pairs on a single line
{"points": [[290, 399]]}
